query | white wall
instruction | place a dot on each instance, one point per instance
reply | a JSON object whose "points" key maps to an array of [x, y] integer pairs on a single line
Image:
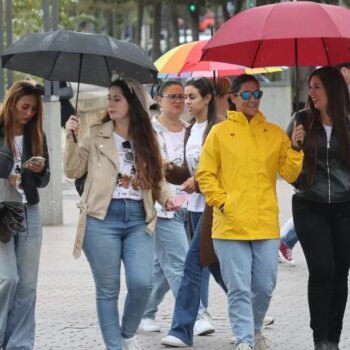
{"points": [[276, 102]]}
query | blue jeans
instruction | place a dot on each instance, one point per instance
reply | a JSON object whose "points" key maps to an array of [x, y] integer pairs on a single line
{"points": [[171, 246], [195, 221], [189, 294], [19, 266], [121, 236], [288, 234], [249, 270]]}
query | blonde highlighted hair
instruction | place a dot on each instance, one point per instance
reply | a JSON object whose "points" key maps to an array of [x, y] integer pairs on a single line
{"points": [[35, 125]]}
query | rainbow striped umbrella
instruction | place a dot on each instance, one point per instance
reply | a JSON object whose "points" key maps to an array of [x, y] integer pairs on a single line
{"points": [[184, 61]]}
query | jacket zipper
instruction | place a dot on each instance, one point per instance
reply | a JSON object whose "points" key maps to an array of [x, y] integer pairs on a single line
{"points": [[328, 173]]}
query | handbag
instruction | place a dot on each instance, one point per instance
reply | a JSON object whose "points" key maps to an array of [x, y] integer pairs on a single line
{"points": [[11, 217], [80, 183], [6, 163]]}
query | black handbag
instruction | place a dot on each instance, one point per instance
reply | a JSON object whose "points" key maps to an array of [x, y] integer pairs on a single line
{"points": [[6, 163], [80, 183], [11, 217]]}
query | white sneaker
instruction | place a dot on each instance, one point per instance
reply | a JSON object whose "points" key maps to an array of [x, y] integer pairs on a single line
{"points": [[233, 340], [203, 327], [130, 344], [149, 325], [174, 342], [268, 320], [261, 342]]}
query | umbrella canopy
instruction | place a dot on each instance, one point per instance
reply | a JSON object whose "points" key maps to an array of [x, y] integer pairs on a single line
{"points": [[298, 33], [184, 61], [80, 57]]}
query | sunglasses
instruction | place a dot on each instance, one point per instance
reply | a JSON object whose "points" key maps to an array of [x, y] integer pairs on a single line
{"points": [[247, 95], [128, 155], [173, 97], [30, 89]]}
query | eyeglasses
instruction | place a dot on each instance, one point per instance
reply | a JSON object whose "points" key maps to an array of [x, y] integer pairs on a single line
{"points": [[247, 95], [30, 89], [173, 97], [128, 155]]}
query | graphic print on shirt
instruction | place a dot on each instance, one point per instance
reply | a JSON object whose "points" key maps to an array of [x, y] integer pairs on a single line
{"points": [[128, 184]]}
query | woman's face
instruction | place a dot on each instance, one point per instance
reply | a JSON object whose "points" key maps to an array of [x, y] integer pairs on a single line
{"points": [[172, 100], [247, 107], [117, 104], [25, 109], [195, 103], [318, 94]]}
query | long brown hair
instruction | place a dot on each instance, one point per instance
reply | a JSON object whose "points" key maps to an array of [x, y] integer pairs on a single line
{"points": [[147, 154], [35, 125], [338, 109]]}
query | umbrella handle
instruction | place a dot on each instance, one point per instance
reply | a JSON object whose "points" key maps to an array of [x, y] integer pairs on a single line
{"points": [[74, 137]]}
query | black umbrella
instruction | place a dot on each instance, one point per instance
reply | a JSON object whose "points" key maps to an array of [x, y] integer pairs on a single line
{"points": [[80, 57]]}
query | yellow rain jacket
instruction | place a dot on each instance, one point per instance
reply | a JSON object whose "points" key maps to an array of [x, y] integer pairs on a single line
{"points": [[238, 168]]}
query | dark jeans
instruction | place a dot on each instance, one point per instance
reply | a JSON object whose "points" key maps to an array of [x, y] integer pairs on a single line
{"points": [[188, 296], [324, 234]]}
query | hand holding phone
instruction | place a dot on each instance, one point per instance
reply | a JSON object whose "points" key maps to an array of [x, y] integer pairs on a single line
{"points": [[34, 161]]}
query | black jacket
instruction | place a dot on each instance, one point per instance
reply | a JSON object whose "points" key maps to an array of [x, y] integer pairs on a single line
{"points": [[31, 181], [332, 179]]}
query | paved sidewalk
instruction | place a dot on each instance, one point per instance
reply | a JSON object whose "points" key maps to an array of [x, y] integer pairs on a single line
{"points": [[66, 315]]}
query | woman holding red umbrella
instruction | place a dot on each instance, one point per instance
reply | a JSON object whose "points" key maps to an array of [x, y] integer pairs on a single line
{"points": [[321, 204]]}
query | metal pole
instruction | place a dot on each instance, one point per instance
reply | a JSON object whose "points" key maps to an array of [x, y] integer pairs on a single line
{"points": [[55, 84], [47, 84], [9, 37], [2, 90]]}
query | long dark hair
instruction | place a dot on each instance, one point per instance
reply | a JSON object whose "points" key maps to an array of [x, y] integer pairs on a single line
{"points": [[147, 155], [205, 88], [338, 109], [35, 125]]}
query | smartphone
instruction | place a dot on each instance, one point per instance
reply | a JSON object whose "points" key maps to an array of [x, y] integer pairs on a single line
{"points": [[36, 159]]}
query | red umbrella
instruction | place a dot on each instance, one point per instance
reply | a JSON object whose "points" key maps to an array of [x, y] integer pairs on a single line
{"points": [[283, 34]]}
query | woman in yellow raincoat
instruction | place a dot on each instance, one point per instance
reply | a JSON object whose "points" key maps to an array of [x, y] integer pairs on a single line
{"points": [[237, 173]]}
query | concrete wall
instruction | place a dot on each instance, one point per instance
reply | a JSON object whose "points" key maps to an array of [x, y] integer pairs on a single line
{"points": [[91, 106], [51, 196], [276, 102]]}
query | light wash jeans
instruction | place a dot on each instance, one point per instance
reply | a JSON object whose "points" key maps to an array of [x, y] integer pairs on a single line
{"points": [[249, 270], [288, 234], [121, 236], [19, 266], [171, 246]]}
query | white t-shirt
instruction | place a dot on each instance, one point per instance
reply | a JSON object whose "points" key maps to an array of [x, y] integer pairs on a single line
{"points": [[172, 149], [328, 129], [127, 186], [196, 201], [17, 166]]}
